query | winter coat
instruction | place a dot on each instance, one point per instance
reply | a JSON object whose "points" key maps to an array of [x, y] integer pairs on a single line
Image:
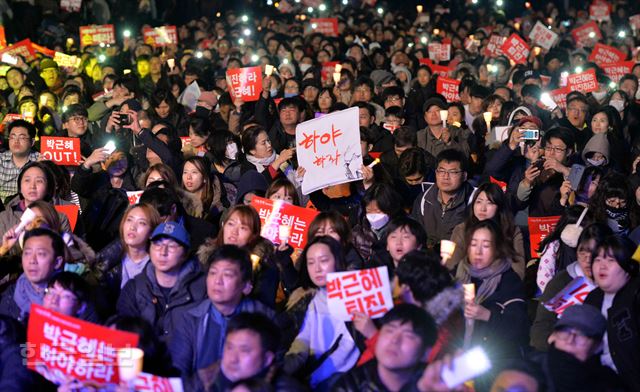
{"points": [[365, 378], [459, 140]]}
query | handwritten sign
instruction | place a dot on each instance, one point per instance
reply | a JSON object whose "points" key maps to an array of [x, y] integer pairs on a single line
{"points": [[572, 294], [160, 36], [587, 33], [542, 36], [22, 48], [61, 347], [276, 213], [494, 47], [64, 60], [448, 88], [584, 82], [539, 229], [329, 149], [97, 34], [516, 49], [134, 197], [64, 151], [605, 54], [71, 212], [245, 83], [152, 383], [367, 291], [325, 26], [70, 5], [439, 51], [615, 71]]}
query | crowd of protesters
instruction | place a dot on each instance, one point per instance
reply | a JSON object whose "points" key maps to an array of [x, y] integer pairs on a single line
{"points": [[217, 305]]}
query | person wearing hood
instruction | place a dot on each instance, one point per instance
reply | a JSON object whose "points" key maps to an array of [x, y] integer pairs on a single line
{"points": [[596, 151], [404, 76], [607, 121], [251, 184]]}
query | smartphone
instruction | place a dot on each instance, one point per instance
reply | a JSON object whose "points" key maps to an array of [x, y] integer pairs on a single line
{"points": [[575, 175], [530, 134], [124, 119], [466, 367], [539, 164], [110, 147]]}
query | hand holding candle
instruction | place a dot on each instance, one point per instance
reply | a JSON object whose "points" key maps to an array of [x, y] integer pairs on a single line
{"points": [[375, 162], [446, 250], [444, 114], [488, 116], [469, 298]]}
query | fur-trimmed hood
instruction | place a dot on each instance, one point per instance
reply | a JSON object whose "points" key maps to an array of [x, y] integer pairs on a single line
{"points": [[445, 303]]}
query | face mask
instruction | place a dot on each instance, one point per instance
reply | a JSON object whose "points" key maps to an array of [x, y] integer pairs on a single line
{"points": [[304, 67], [593, 162], [599, 95], [618, 104], [377, 221], [290, 95], [273, 92], [202, 112], [231, 151]]}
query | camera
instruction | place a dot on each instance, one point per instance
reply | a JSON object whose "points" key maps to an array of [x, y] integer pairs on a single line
{"points": [[124, 119]]}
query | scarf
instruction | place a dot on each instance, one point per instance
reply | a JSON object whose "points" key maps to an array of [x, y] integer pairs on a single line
{"points": [[489, 276], [618, 219], [260, 163], [25, 295]]}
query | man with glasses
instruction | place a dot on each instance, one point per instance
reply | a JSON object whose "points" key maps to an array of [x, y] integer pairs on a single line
{"points": [[75, 123], [20, 140], [441, 207], [575, 121], [168, 284], [540, 188]]}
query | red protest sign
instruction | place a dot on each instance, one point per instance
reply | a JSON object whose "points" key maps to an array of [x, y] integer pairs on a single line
{"points": [[97, 34], [62, 348], [64, 151], [605, 54], [325, 26], [367, 291], [584, 82], [572, 294], [585, 33], [516, 49], [494, 47], [327, 70], [134, 197], [71, 211], [439, 51], [277, 214], [600, 11], [153, 383], [160, 36], [44, 50], [542, 36], [448, 88], [9, 118], [559, 96], [22, 48], [245, 83], [616, 71], [3, 38], [70, 5], [539, 228]]}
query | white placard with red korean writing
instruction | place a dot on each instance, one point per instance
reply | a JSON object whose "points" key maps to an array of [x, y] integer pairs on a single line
{"points": [[70, 5], [367, 291], [22, 48], [329, 149], [516, 49], [572, 294], [542, 36], [64, 151], [494, 47], [134, 197], [152, 383], [245, 83]]}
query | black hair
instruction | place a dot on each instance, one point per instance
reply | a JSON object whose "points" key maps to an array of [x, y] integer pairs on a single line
{"points": [[57, 243], [561, 133], [411, 225], [250, 137], [76, 109], [72, 282], [363, 80], [422, 323], [503, 217], [51, 181], [163, 95], [260, 324], [163, 199], [391, 91], [621, 249], [217, 143], [424, 274], [128, 81], [502, 248], [413, 161], [366, 105], [296, 102], [336, 250], [452, 155], [405, 136], [31, 129], [234, 255], [395, 111], [388, 199]]}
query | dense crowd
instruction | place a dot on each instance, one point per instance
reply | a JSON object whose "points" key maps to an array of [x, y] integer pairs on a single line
{"points": [[184, 265]]}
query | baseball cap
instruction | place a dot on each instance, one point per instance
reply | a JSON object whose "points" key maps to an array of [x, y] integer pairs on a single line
{"points": [[48, 63], [172, 230], [585, 318], [434, 101]]}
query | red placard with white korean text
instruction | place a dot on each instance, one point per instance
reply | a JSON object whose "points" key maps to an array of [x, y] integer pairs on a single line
{"points": [[574, 293], [615, 71], [9, 118], [581, 35], [448, 88], [64, 151], [605, 54], [559, 96], [62, 348], [516, 49], [327, 71], [22, 48], [325, 26], [367, 291], [276, 213], [585, 82], [152, 383], [245, 83], [439, 51], [494, 47], [159, 37], [539, 228], [442, 70], [542, 36], [600, 11], [97, 34]]}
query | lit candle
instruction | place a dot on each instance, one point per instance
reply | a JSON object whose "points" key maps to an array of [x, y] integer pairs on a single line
{"points": [[129, 363], [338, 68], [419, 8], [171, 63], [444, 114], [469, 292], [268, 69], [255, 260], [487, 119], [372, 164], [336, 77], [446, 250]]}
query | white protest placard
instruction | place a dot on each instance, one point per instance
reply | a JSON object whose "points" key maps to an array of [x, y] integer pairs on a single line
{"points": [[134, 197], [329, 149], [573, 294], [367, 291], [541, 35], [190, 95], [71, 5]]}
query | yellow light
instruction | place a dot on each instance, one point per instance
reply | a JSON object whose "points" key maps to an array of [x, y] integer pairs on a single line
{"points": [[419, 8]]}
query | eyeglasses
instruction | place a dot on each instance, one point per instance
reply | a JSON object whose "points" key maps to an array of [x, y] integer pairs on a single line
{"points": [[66, 297], [78, 119], [554, 149], [448, 173], [393, 99], [172, 247], [20, 138], [577, 110]]}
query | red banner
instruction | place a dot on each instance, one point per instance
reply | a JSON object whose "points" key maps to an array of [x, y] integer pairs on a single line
{"points": [[64, 151], [160, 36], [501, 184], [97, 34], [600, 11], [22, 48], [3, 38], [149, 382], [605, 54], [62, 348], [584, 82], [9, 118], [44, 50], [559, 96], [494, 47], [277, 214], [616, 71], [516, 49], [586, 33], [71, 211], [448, 88], [539, 229], [325, 26], [245, 83]]}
